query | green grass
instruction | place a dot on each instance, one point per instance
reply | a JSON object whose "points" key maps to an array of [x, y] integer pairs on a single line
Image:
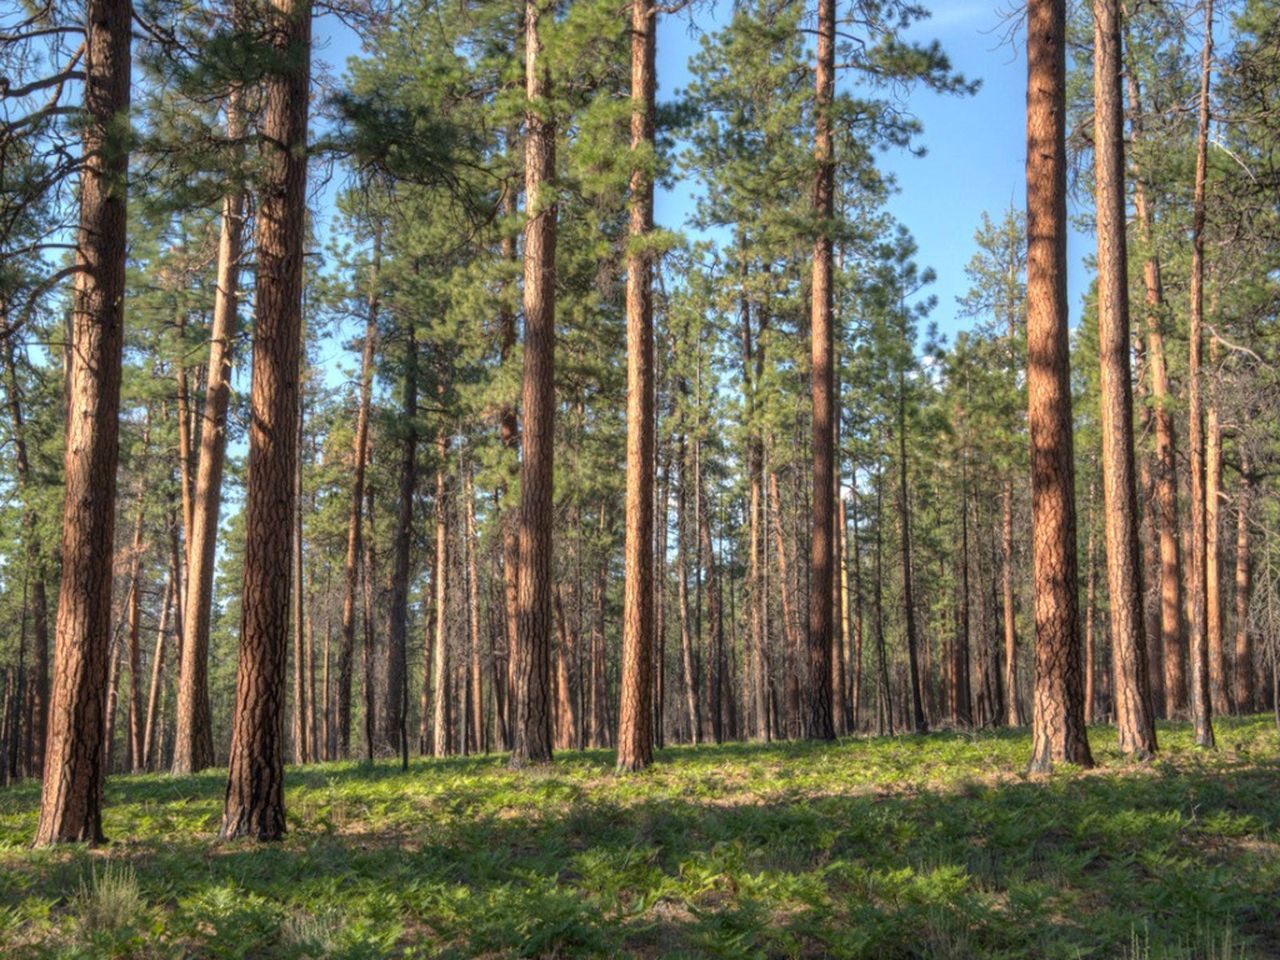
{"points": [[934, 846]]}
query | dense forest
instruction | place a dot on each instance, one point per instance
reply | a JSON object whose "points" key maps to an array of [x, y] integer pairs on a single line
{"points": [[370, 413]]}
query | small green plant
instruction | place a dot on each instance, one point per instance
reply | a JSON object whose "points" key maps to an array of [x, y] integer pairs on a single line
{"points": [[109, 901]]}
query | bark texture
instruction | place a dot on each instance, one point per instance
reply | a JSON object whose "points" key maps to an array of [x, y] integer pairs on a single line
{"points": [[1058, 731], [254, 804], [71, 794]]}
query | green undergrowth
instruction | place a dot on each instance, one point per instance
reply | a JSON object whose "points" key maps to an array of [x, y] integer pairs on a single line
{"points": [[894, 847]]}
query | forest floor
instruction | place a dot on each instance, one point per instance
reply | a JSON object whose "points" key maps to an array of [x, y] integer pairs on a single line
{"points": [[930, 846]]}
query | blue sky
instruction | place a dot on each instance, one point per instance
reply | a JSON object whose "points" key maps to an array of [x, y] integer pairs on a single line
{"points": [[975, 145]]}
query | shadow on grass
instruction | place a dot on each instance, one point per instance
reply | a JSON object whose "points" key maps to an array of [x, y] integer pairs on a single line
{"points": [[458, 857]]}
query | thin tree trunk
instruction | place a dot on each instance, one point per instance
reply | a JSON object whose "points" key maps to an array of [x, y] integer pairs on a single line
{"points": [[1058, 731], [440, 648], [370, 570], [398, 631], [715, 659], [818, 724], [157, 675], [1135, 722], [961, 700], [790, 627], [1218, 668], [908, 593], [1172, 639], [1242, 681], [532, 729], [884, 708], [478, 739], [1090, 611], [193, 741], [1201, 705], [355, 509], [635, 714], [297, 601], [255, 787]]}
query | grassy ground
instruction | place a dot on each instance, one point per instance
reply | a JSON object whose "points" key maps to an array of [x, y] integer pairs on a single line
{"points": [[933, 846]]}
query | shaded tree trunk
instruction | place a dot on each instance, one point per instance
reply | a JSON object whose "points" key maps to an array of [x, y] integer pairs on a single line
{"points": [[1058, 731], [904, 555], [1242, 678], [1201, 705], [1135, 722], [255, 787], [818, 723], [398, 628], [440, 645], [355, 510], [71, 790], [531, 731]]}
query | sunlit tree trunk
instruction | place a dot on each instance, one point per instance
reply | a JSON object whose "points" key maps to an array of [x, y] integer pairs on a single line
{"points": [[193, 743], [1058, 731], [635, 720], [71, 790], [1214, 629]]}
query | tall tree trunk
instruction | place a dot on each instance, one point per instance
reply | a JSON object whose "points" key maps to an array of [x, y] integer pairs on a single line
{"points": [[688, 667], [1213, 553], [1201, 705], [355, 509], [818, 723], [660, 606], [369, 566], [1135, 722], [478, 739], [71, 791], [714, 662], [440, 647], [884, 701], [532, 729], [133, 614], [960, 695], [1172, 639], [1058, 731], [297, 602], [1012, 703], [791, 629], [635, 714], [34, 688], [193, 743], [398, 633], [1242, 679], [1090, 611], [904, 554], [855, 719], [255, 786]]}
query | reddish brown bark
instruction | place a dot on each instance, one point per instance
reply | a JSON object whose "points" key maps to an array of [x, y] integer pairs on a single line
{"points": [[532, 728], [355, 511], [1135, 724], [818, 723], [1201, 705], [254, 804], [193, 743], [1214, 628], [71, 793], [635, 714], [1058, 731]]}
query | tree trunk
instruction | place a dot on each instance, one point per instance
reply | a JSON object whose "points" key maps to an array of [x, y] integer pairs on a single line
{"points": [[398, 632], [791, 629], [1213, 554], [369, 567], [148, 756], [635, 714], [1201, 705], [884, 701], [297, 602], [715, 659], [1242, 679], [1135, 723], [71, 794], [856, 707], [818, 723], [908, 594], [1090, 612], [478, 739], [440, 646], [193, 743], [32, 688], [1172, 640], [961, 700], [1058, 731], [133, 615], [255, 786], [355, 510], [532, 729]]}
